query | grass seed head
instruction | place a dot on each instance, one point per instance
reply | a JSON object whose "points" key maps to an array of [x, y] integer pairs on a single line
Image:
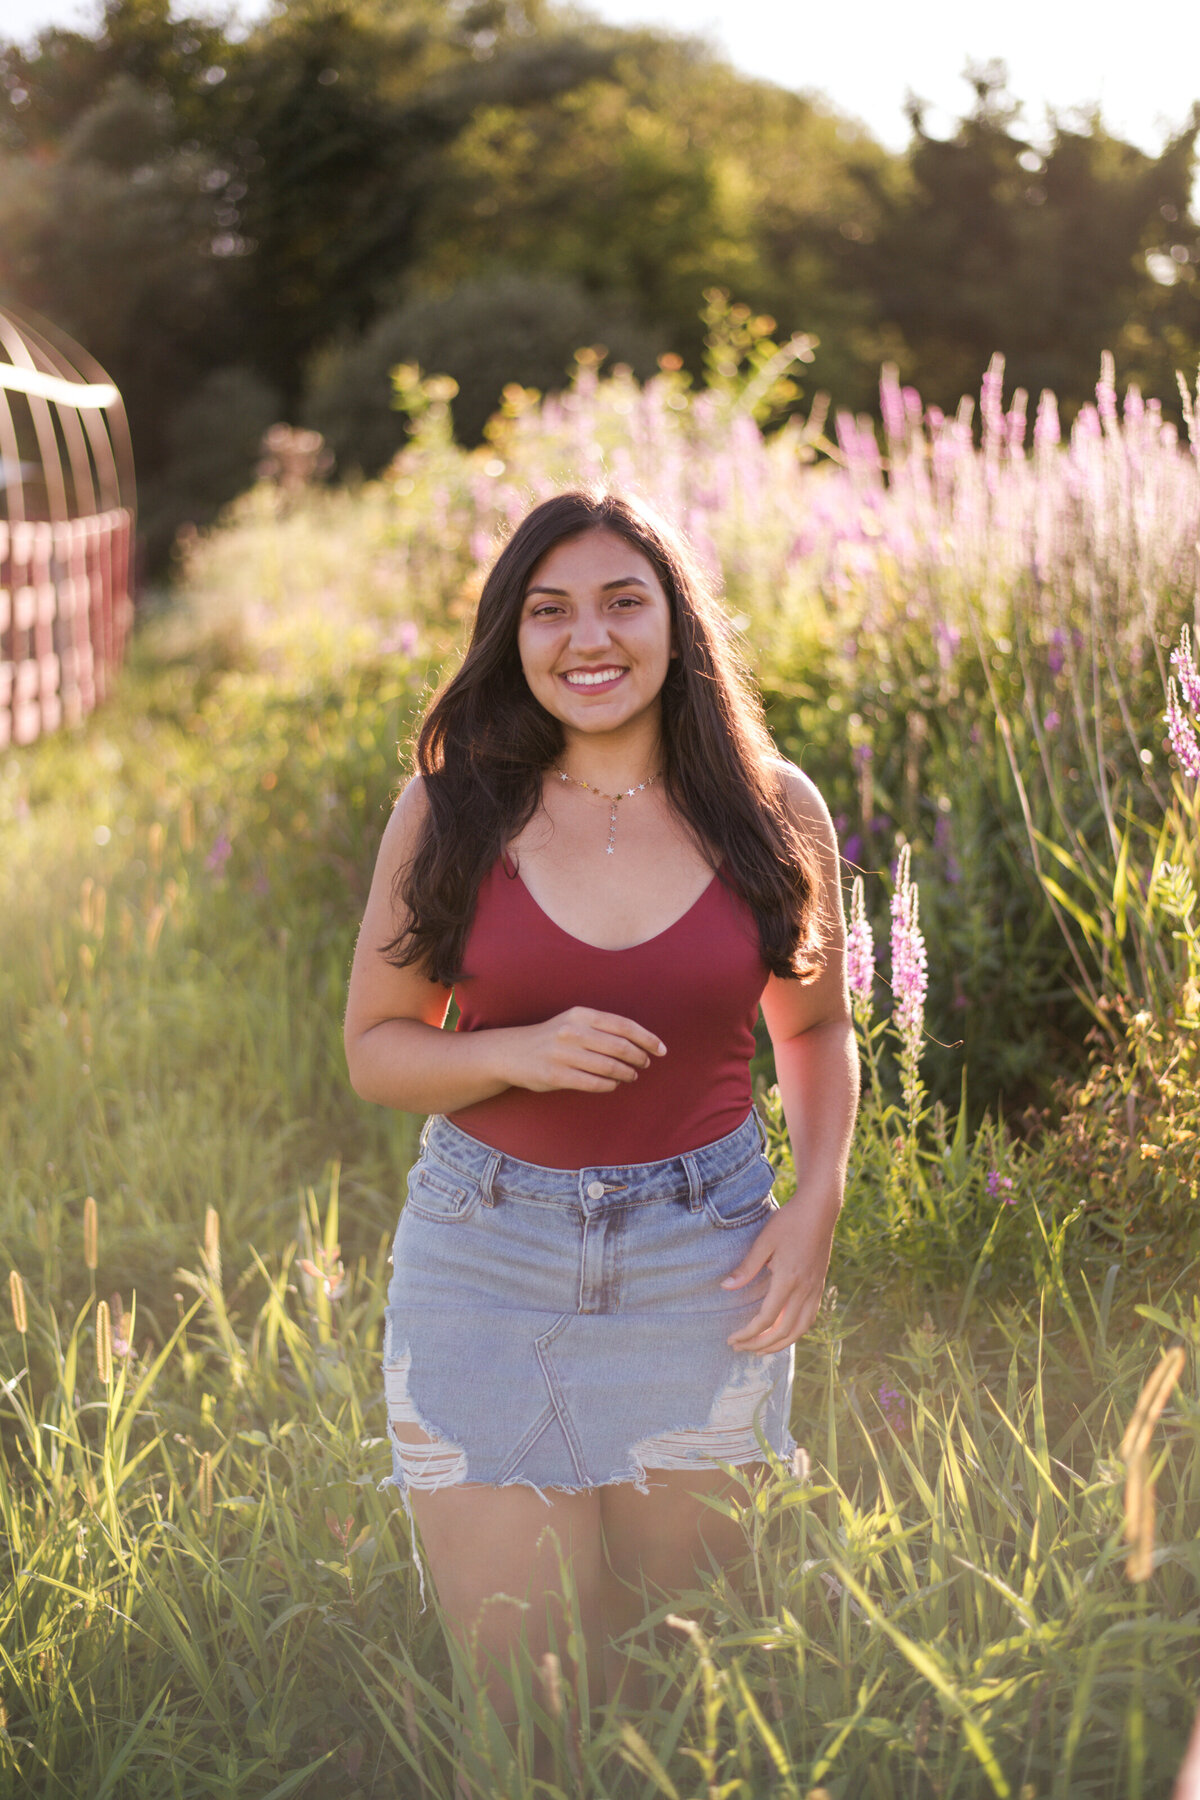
{"points": [[551, 1673], [91, 1235], [16, 1295], [212, 1241], [104, 1342]]}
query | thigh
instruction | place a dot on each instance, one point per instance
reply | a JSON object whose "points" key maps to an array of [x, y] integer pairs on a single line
{"points": [[498, 1557], [662, 1538]]}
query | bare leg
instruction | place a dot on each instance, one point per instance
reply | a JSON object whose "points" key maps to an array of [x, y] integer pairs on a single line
{"points": [[490, 1550], [655, 1543]]}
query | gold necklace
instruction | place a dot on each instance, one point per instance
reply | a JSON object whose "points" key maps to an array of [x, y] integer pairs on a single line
{"points": [[614, 800]]}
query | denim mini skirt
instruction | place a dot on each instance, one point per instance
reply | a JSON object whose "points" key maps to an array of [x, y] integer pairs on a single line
{"points": [[566, 1328]]}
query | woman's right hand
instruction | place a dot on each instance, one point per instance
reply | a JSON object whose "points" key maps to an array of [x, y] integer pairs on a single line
{"points": [[580, 1048]]}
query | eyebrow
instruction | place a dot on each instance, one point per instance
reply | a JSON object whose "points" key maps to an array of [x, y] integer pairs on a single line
{"points": [[561, 593]]}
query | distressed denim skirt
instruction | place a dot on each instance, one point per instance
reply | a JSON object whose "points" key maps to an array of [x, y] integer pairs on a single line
{"points": [[566, 1328]]}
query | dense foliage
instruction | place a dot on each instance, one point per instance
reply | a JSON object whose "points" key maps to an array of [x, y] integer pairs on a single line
{"points": [[981, 1577]]}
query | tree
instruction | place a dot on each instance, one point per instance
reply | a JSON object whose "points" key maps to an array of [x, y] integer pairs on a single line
{"points": [[994, 245], [676, 175], [183, 202]]}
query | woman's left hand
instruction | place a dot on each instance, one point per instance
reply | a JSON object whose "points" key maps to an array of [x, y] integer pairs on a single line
{"points": [[795, 1245]]}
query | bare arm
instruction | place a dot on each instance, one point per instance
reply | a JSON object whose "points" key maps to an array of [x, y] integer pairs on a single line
{"points": [[816, 1063], [398, 1054]]}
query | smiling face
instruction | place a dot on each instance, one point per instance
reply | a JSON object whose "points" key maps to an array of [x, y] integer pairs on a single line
{"points": [[595, 635]]}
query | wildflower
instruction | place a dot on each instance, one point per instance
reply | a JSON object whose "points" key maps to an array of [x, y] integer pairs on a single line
{"points": [[122, 1328], [860, 951], [405, 637], [997, 1183], [947, 638], [894, 1406], [801, 1464], [1184, 662], [909, 972], [1182, 734], [218, 856], [1052, 720], [1046, 429]]}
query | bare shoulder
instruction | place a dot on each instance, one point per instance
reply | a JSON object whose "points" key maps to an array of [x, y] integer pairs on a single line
{"points": [[805, 801], [406, 823]]}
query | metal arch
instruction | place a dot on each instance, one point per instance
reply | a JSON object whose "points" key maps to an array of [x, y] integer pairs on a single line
{"points": [[106, 424], [88, 418]]}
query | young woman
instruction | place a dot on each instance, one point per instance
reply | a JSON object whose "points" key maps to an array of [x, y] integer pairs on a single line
{"points": [[594, 1294]]}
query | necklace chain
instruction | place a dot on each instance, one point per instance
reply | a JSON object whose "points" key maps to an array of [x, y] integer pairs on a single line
{"points": [[614, 800]]}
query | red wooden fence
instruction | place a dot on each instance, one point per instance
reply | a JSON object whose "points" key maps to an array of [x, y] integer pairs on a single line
{"points": [[65, 613], [66, 488]]}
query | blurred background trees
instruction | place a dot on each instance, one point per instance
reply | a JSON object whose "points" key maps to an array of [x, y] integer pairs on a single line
{"points": [[250, 227]]}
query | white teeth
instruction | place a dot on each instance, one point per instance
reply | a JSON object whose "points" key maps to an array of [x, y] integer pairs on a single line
{"points": [[578, 679]]}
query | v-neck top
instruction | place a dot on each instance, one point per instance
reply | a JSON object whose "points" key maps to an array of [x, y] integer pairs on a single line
{"points": [[696, 984]]}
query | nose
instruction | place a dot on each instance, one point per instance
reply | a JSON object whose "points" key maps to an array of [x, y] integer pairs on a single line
{"points": [[589, 632]]}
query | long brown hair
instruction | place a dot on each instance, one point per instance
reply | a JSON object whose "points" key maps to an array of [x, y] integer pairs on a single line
{"points": [[486, 741]]}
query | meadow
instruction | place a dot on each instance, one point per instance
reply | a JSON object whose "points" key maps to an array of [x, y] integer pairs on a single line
{"points": [[981, 1578]]}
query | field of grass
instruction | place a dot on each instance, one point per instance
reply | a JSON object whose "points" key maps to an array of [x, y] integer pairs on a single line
{"points": [[982, 1579]]}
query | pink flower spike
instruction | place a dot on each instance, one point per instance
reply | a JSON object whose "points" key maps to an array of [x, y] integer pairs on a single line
{"points": [[1046, 429], [860, 950], [1182, 734], [909, 966], [1184, 663]]}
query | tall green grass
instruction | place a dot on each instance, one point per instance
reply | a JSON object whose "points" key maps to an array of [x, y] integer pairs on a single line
{"points": [[959, 1591]]}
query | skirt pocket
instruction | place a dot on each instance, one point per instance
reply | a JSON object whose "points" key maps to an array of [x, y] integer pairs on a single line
{"points": [[439, 1193], [742, 1198]]}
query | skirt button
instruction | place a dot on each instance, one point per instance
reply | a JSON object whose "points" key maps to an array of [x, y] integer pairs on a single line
{"points": [[595, 1190]]}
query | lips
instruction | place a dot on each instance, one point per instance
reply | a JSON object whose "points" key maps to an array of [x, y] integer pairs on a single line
{"points": [[591, 681]]}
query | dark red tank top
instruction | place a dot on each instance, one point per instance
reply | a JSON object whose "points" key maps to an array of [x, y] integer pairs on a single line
{"points": [[696, 984]]}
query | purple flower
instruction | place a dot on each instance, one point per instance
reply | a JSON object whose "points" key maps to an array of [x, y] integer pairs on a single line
{"points": [[909, 977], [403, 640], [991, 402], [894, 1406], [996, 1182], [948, 638], [1052, 720], [1184, 663], [1054, 655], [1046, 429], [861, 755], [852, 849], [1182, 734], [860, 951], [218, 856]]}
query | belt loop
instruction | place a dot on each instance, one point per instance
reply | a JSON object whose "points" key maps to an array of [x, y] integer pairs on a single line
{"points": [[490, 1171], [424, 1134], [695, 1185]]}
